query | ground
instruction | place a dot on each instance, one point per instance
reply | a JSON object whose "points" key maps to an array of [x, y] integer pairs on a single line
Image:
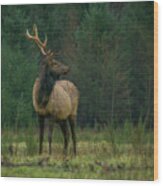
{"points": [[106, 154]]}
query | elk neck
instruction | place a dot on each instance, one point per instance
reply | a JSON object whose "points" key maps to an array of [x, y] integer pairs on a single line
{"points": [[47, 82]]}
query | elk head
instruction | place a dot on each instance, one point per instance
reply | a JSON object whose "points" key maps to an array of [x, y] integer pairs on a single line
{"points": [[48, 63]]}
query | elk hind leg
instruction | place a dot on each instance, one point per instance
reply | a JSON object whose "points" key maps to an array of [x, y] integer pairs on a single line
{"points": [[72, 122], [65, 131], [50, 132], [41, 120]]}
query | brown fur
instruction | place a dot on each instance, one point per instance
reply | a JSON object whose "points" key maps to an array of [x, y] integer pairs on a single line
{"points": [[63, 100]]}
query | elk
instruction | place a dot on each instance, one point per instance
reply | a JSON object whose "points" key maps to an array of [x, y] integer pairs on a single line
{"points": [[53, 99]]}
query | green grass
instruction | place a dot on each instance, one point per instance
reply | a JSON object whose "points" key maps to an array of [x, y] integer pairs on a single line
{"points": [[122, 153]]}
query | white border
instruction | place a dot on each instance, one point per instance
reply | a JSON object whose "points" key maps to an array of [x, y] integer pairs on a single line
{"points": [[60, 1], [70, 182]]}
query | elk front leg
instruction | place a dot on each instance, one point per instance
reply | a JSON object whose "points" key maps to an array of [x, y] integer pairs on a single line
{"points": [[65, 131], [41, 125], [72, 122], [50, 136]]}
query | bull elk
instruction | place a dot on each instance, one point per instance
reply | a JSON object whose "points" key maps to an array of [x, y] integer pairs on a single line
{"points": [[54, 99]]}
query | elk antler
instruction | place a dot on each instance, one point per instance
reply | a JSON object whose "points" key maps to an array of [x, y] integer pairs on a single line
{"points": [[41, 45]]}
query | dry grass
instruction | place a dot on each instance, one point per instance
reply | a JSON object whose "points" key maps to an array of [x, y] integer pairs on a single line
{"points": [[99, 157]]}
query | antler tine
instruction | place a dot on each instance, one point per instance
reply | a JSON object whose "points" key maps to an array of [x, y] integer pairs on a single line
{"points": [[29, 36], [41, 45], [35, 30], [45, 41]]}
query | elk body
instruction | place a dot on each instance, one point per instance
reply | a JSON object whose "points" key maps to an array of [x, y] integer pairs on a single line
{"points": [[54, 99]]}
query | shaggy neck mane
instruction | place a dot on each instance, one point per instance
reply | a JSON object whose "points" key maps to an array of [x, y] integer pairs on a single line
{"points": [[47, 81]]}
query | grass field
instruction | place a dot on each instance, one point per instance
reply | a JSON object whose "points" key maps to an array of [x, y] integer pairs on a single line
{"points": [[121, 153]]}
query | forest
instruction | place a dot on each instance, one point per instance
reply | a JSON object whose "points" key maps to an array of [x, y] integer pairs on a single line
{"points": [[109, 48]]}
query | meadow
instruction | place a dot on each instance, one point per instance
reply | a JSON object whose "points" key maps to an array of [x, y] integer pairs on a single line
{"points": [[109, 153]]}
